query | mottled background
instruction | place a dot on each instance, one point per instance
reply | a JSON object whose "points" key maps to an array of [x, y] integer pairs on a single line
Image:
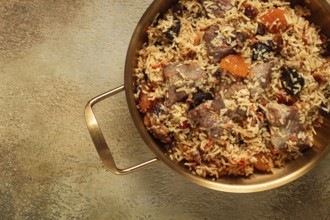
{"points": [[55, 56]]}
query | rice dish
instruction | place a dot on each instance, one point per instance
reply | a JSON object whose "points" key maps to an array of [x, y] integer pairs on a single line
{"points": [[233, 87]]}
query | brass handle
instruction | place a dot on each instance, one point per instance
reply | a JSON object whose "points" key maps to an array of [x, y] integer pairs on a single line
{"points": [[97, 136]]}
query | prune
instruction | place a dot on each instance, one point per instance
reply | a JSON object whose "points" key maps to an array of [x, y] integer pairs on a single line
{"points": [[174, 30], [158, 109], [250, 11], [200, 97], [292, 82], [261, 29], [260, 51], [217, 74], [158, 43], [178, 9], [278, 43], [324, 109]]}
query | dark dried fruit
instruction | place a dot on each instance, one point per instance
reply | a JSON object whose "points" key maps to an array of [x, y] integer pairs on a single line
{"points": [[292, 82], [284, 98], [261, 29], [158, 109], [217, 74], [260, 51], [324, 109], [325, 45], [240, 39], [178, 9], [200, 97], [278, 40], [250, 11], [158, 43], [174, 30], [184, 125], [156, 20]]}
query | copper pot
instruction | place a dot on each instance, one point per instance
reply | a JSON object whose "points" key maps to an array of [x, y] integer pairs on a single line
{"points": [[256, 182]]}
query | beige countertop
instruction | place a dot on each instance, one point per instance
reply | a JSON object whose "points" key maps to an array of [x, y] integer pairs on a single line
{"points": [[54, 57]]}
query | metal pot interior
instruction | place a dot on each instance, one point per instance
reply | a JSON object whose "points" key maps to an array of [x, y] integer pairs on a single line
{"points": [[257, 182]]}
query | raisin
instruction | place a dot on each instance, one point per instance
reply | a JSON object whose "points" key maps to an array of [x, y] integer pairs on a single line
{"points": [[292, 82], [158, 109], [261, 29], [178, 9], [200, 97], [278, 43], [250, 11], [325, 45], [158, 43], [174, 30], [260, 51], [324, 109], [217, 74]]}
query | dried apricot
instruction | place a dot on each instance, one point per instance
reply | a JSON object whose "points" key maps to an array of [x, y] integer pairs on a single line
{"points": [[275, 20], [235, 64]]}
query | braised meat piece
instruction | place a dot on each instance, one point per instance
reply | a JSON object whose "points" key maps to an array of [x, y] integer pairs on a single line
{"points": [[228, 93], [210, 120], [215, 52], [174, 96], [262, 75], [285, 125], [216, 8], [179, 75], [180, 71]]}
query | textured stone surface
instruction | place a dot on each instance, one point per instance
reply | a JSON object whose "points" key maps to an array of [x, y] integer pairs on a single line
{"points": [[55, 56]]}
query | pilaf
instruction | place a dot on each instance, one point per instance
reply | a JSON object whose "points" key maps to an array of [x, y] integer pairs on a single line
{"points": [[233, 86]]}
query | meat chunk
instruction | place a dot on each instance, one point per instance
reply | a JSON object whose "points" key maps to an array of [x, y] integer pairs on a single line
{"points": [[174, 96], [285, 125], [180, 71], [233, 89], [277, 114], [218, 102], [210, 120], [216, 8], [262, 75], [179, 75], [215, 52]]}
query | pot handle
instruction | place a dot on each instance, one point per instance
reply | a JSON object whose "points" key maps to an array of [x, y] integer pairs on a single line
{"points": [[97, 136]]}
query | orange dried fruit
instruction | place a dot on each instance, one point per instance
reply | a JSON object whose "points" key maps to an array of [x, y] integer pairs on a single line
{"points": [[274, 20], [235, 65]]}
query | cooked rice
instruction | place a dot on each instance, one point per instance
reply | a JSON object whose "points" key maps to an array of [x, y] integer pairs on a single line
{"points": [[247, 142]]}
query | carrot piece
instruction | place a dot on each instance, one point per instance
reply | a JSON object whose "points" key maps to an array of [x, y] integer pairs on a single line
{"points": [[293, 138], [274, 20], [264, 162], [159, 64], [235, 64], [145, 104]]}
